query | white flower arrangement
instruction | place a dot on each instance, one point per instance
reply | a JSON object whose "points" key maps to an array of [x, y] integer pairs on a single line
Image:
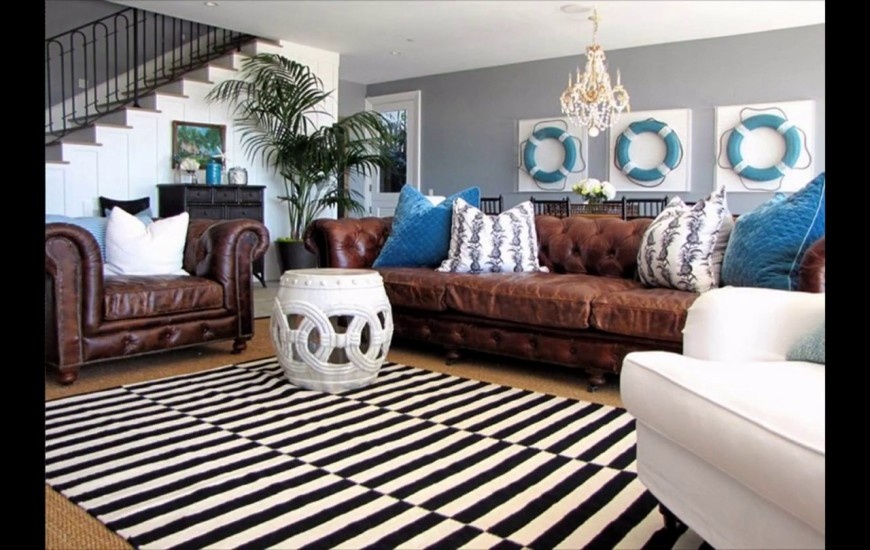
{"points": [[594, 190], [189, 164]]}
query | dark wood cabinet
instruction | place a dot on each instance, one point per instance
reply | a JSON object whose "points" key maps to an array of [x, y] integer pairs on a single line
{"points": [[215, 202]]}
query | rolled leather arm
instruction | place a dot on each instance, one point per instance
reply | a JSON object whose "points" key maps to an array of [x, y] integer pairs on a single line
{"points": [[73, 287], [811, 277], [224, 251], [348, 242]]}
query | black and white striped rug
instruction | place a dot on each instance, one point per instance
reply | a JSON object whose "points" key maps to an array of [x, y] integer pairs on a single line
{"points": [[237, 457]]}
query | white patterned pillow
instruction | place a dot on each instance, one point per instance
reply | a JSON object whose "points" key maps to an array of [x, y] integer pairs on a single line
{"points": [[684, 246], [479, 243]]}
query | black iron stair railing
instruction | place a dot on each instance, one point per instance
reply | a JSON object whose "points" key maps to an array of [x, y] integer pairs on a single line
{"points": [[108, 64]]}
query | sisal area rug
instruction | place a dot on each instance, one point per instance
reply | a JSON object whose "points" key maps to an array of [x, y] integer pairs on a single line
{"points": [[237, 457]]}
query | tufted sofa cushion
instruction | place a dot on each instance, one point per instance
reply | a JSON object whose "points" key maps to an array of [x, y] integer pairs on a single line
{"points": [[541, 299], [597, 246]]}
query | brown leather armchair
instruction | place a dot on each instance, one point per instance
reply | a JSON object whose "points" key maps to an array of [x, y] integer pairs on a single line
{"points": [[91, 318]]}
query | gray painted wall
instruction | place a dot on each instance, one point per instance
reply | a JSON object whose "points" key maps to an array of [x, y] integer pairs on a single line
{"points": [[63, 15], [469, 118], [352, 99]]}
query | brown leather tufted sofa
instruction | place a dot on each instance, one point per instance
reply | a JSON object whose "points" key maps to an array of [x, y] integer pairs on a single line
{"points": [[588, 312], [91, 318]]}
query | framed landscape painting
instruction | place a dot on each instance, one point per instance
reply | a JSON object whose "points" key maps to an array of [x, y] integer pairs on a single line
{"points": [[200, 141]]}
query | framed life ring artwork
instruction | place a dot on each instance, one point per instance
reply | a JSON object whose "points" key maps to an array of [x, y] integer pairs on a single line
{"points": [[552, 155], [765, 147], [649, 151]]}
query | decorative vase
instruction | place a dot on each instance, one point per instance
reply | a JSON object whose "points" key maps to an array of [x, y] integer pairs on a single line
{"points": [[191, 176], [213, 172]]}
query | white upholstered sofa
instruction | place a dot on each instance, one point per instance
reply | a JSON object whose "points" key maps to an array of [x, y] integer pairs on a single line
{"points": [[731, 435]]}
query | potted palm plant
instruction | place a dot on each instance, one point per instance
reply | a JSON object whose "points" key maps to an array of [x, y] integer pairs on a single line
{"points": [[277, 104]]}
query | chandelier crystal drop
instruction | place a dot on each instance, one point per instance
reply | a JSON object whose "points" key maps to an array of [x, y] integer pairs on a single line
{"points": [[591, 101]]}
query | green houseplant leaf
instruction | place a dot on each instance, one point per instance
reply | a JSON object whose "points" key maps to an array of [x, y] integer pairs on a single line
{"points": [[277, 103]]}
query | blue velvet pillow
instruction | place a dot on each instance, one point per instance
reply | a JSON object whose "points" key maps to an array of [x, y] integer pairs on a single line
{"points": [[420, 236], [767, 245], [811, 347], [95, 225]]}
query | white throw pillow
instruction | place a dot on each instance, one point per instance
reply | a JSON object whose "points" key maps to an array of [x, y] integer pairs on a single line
{"points": [[684, 246], [134, 248], [479, 243]]}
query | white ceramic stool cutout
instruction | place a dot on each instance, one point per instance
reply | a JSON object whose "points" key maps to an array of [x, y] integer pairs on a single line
{"points": [[331, 328]]}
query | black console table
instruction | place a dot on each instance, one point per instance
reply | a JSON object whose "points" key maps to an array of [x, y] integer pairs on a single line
{"points": [[215, 202]]}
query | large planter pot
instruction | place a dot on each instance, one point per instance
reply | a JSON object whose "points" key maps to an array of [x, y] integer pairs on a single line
{"points": [[293, 255]]}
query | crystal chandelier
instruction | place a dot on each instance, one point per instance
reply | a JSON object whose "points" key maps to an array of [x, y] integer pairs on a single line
{"points": [[591, 101]]}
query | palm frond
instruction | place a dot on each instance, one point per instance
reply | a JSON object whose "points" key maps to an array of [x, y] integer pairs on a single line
{"points": [[277, 104]]}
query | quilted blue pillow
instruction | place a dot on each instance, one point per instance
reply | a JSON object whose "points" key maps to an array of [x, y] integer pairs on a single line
{"points": [[95, 225], [420, 236], [767, 245], [811, 347]]}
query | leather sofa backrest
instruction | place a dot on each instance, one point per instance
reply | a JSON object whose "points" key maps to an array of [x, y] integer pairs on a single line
{"points": [[604, 246], [598, 246]]}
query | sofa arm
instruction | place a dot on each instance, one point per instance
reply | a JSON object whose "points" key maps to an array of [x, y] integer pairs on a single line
{"points": [[73, 290], [811, 277], [348, 242], [749, 324], [224, 252]]}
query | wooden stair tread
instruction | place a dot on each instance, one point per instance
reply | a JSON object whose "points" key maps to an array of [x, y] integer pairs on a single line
{"points": [[269, 41], [113, 125], [57, 162], [77, 142], [197, 80], [144, 109]]}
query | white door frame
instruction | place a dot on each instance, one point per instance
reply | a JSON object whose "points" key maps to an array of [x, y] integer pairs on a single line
{"points": [[410, 102]]}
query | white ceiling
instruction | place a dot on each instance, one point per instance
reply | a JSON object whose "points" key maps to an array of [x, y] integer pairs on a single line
{"points": [[436, 37]]}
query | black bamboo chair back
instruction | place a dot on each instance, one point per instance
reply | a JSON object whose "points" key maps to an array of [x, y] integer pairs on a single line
{"points": [[492, 205], [561, 208]]}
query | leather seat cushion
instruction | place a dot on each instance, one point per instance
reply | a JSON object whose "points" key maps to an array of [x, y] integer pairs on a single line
{"points": [[415, 287], [657, 313], [134, 297], [558, 300]]}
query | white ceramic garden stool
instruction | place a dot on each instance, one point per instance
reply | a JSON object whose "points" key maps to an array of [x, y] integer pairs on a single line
{"points": [[331, 328]]}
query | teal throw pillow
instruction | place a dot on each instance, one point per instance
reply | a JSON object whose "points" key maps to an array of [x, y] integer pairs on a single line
{"points": [[810, 347], [420, 236], [96, 226], [767, 245]]}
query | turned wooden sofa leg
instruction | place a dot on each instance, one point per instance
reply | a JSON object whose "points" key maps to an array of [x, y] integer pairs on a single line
{"points": [[240, 345], [67, 375], [452, 356], [596, 379]]}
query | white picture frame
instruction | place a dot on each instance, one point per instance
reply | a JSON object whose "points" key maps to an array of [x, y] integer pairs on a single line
{"points": [[550, 155], [764, 147], [648, 150]]}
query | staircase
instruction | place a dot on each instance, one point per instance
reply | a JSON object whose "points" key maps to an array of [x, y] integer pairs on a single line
{"points": [[103, 66]]}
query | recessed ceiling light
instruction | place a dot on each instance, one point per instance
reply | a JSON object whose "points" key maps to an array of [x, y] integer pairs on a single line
{"points": [[210, 4], [395, 52], [575, 8]]}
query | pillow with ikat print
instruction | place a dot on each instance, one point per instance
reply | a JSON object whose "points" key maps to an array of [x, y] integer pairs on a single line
{"points": [[503, 243]]}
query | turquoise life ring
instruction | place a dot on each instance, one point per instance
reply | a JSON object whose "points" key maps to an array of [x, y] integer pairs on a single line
{"points": [[673, 152], [552, 176], [789, 133]]}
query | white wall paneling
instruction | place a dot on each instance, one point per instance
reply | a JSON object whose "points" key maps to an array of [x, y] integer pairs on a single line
{"points": [[82, 187], [648, 150], [550, 155], [55, 188], [112, 161], [765, 147]]}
